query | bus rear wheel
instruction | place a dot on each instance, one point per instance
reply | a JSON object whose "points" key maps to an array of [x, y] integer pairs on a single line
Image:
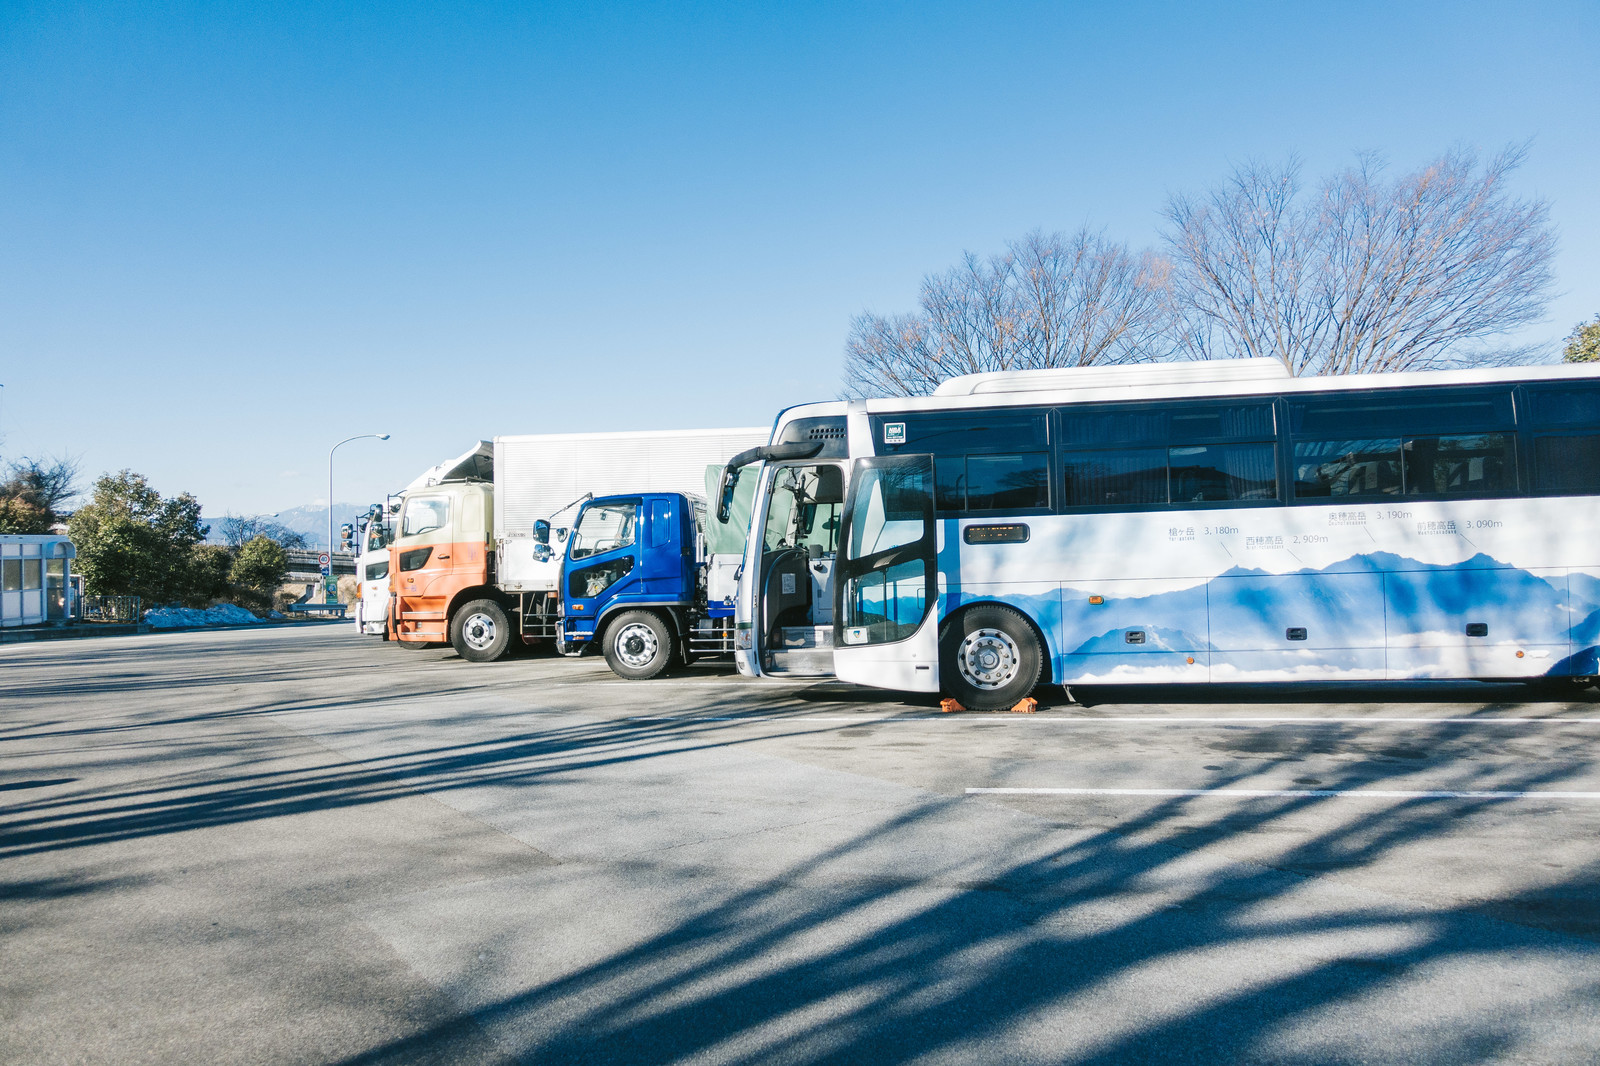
{"points": [[989, 658], [480, 632], [638, 645]]}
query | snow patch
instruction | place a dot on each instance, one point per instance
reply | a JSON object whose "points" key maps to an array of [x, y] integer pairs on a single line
{"points": [[224, 614]]}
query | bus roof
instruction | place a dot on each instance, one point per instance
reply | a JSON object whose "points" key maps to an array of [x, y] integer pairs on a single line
{"points": [[1222, 377]]}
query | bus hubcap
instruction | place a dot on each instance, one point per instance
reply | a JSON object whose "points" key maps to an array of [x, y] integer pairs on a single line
{"points": [[478, 632], [989, 659], [636, 644]]}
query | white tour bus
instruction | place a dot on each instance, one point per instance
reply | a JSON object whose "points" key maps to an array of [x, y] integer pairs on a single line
{"points": [[1187, 522]]}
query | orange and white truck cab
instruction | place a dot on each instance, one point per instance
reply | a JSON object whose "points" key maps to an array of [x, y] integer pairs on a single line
{"points": [[440, 552]]}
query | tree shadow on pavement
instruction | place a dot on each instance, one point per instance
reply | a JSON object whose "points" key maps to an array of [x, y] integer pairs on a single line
{"points": [[1122, 943]]}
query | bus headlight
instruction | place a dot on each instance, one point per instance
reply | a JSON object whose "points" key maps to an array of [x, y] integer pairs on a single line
{"points": [[744, 639]]}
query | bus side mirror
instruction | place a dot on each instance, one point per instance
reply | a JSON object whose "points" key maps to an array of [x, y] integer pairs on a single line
{"points": [[725, 493], [541, 531]]}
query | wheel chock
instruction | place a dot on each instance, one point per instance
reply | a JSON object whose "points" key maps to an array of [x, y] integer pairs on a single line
{"points": [[1026, 705], [947, 705]]}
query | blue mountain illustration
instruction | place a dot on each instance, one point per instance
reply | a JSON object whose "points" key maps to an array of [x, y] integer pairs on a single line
{"points": [[1585, 589], [1364, 601], [1156, 638], [1588, 630]]}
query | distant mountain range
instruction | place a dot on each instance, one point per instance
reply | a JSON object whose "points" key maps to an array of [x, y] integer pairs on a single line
{"points": [[310, 521]]}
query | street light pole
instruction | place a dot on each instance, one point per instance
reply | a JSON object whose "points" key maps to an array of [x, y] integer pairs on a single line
{"points": [[336, 447]]}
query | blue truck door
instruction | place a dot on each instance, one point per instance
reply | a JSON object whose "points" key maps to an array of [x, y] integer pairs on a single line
{"points": [[659, 563], [604, 557]]}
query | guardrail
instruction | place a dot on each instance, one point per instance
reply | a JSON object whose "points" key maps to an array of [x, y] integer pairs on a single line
{"points": [[306, 562], [119, 609]]}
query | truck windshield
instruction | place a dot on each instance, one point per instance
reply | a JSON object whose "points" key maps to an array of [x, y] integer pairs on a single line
{"points": [[424, 514], [604, 528]]}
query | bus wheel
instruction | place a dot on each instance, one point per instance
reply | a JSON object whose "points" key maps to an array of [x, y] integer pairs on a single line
{"points": [[480, 631], [638, 645], [989, 658]]}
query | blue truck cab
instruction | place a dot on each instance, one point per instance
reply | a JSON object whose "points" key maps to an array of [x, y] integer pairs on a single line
{"points": [[634, 584]]}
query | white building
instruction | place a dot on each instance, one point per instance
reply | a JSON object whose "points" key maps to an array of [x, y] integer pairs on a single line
{"points": [[35, 575]]}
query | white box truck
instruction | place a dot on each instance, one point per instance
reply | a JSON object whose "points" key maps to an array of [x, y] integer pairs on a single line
{"points": [[465, 563]]}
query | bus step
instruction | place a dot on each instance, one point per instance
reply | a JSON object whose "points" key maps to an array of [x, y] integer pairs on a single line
{"points": [[810, 662], [795, 637]]}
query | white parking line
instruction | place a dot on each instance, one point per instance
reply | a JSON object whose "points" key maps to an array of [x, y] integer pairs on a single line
{"points": [[1034, 719], [1282, 793]]}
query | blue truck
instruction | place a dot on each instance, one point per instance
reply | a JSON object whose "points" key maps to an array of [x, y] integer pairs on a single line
{"points": [[642, 582]]}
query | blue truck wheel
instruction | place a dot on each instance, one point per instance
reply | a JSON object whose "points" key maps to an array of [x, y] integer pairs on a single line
{"points": [[639, 645]]}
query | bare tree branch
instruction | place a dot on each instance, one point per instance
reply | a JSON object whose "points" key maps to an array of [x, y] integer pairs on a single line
{"points": [[1049, 300], [1422, 272]]}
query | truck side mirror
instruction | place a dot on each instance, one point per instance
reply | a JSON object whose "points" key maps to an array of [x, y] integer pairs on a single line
{"points": [[541, 531]]}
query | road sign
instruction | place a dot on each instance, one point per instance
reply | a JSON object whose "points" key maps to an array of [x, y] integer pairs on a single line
{"points": [[322, 562]]}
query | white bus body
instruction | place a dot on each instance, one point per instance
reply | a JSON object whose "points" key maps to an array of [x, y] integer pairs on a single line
{"points": [[1205, 522]]}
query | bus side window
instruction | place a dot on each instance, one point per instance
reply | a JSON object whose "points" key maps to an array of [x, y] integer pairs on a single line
{"points": [[1325, 468], [1566, 459], [1135, 477], [1483, 464], [1210, 472], [1567, 465]]}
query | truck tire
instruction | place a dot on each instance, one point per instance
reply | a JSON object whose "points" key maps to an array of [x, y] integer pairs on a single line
{"points": [[639, 645], [989, 658], [480, 632]]}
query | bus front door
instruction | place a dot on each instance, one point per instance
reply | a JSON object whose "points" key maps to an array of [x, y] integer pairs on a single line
{"points": [[886, 630]]}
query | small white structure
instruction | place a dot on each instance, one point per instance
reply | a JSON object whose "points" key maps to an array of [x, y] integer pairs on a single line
{"points": [[35, 578]]}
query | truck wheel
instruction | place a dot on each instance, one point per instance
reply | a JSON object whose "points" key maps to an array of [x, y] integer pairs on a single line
{"points": [[638, 645], [989, 658], [480, 631]]}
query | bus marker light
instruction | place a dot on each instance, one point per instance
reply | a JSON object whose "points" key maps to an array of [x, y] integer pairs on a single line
{"points": [[1190, 660], [1519, 653], [1097, 600]]}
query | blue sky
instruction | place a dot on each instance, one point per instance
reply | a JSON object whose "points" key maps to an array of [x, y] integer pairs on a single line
{"points": [[231, 234]]}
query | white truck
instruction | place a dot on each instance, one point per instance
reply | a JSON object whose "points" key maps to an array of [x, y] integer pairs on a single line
{"points": [[475, 552]]}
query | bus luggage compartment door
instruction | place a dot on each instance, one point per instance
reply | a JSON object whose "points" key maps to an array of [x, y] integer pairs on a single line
{"points": [[1295, 627], [886, 581]]}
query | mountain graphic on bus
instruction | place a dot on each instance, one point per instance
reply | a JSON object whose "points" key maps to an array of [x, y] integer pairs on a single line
{"points": [[1156, 639], [1374, 601]]}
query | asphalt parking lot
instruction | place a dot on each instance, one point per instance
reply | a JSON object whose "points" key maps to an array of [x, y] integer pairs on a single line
{"points": [[296, 845]]}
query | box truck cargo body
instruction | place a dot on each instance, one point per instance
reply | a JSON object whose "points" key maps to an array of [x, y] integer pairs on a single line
{"points": [[476, 554]]}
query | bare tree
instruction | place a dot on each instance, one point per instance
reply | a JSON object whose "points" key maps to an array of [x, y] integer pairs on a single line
{"points": [[34, 492], [239, 530], [1425, 271], [1049, 300]]}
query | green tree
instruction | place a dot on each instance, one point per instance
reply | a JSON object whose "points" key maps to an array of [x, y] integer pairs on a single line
{"points": [[259, 567], [1583, 343], [206, 578], [132, 541]]}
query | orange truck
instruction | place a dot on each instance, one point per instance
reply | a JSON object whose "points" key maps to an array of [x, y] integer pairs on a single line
{"points": [[476, 544]]}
